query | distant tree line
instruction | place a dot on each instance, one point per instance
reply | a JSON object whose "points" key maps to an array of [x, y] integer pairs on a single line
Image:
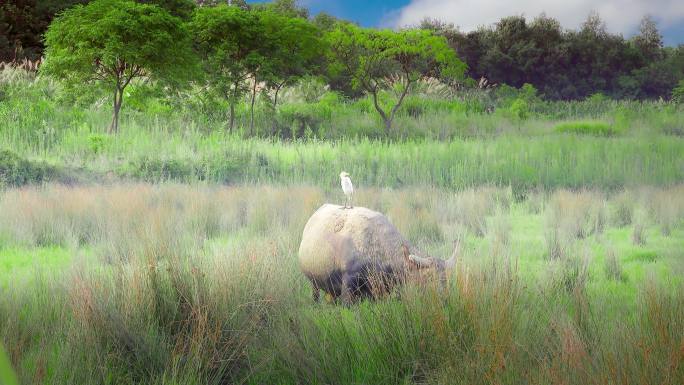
{"points": [[568, 64], [240, 45]]}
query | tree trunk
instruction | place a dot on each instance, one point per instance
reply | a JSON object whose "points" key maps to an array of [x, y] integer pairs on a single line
{"points": [[388, 124], [251, 107], [231, 120], [383, 115], [233, 100], [118, 99], [275, 98]]}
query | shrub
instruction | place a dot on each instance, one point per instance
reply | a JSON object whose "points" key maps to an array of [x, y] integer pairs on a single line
{"points": [[588, 127], [520, 111], [17, 171], [97, 142]]}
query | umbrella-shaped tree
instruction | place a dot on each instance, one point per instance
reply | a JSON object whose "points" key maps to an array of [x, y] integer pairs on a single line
{"points": [[114, 42], [374, 59]]}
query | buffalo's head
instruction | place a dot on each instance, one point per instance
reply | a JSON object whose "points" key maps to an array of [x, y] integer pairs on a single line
{"points": [[420, 268]]}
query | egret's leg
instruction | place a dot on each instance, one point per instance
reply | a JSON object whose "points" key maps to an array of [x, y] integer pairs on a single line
{"points": [[351, 201]]}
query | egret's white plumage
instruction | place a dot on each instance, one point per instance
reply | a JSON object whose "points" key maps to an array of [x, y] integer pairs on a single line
{"points": [[347, 188]]}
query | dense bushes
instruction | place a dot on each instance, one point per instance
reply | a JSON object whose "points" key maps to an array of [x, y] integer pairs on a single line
{"points": [[216, 168], [17, 171]]}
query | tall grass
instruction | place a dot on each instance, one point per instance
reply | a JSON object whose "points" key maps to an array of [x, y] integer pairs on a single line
{"points": [[206, 289], [48, 133], [522, 163]]}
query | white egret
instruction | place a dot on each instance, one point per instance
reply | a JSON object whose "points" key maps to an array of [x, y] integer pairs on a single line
{"points": [[347, 188]]}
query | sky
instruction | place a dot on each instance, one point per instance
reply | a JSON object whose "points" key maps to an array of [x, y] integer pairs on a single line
{"points": [[621, 16]]}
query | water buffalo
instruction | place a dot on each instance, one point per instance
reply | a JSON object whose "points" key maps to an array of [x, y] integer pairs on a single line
{"points": [[358, 252]]}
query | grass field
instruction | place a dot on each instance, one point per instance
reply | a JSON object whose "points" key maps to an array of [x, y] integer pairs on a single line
{"points": [[167, 253], [441, 140], [172, 283]]}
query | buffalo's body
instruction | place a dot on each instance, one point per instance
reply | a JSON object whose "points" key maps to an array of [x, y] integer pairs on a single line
{"points": [[352, 252]]}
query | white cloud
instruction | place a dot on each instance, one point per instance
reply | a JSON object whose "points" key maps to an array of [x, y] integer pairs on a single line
{"points": [[621, 16]]}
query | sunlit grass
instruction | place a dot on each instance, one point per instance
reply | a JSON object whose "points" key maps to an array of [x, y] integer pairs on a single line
{"points": [[206, 289]]}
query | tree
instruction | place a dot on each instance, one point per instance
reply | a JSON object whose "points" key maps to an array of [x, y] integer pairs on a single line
{"points": [[294, 49], [649, 41], [374, 59], [288, 8], [116, 41], [230, 41]]}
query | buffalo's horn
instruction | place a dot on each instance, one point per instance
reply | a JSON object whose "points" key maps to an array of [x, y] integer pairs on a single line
{"points": [[451, 262]]}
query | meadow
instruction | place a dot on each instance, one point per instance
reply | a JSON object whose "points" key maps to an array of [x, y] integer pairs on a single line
{"points": [[175, 283], [441, 139], [167, 253]]}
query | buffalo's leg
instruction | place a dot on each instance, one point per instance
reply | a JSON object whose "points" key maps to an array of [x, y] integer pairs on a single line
{"points": [[316, 291], [349, 288]]}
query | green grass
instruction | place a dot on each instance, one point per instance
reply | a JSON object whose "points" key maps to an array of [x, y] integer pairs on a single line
{"points": [[192, 277], [200, 294], [525, 163], [595, 128], [49, 133]]}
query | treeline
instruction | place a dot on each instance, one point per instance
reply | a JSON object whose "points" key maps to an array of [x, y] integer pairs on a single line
{"points": [[569, 64], [288, 43]]}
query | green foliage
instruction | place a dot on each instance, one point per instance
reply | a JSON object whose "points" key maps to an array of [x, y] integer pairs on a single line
{"points": [[178, 8], [116, 41], [293, 50], [17, 171], [595, 128], [375, 59], [287, 8], [678, 92], [446, 142], [597, 98], [568, 64], [520, 110], [230, 41], [97, 142], [528, 93]]}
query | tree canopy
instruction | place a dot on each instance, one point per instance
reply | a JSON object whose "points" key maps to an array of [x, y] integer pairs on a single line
{"points": [[567, 64], [280, 41], [230, 41], [294, 48], [383, 60], [115, 41]]}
